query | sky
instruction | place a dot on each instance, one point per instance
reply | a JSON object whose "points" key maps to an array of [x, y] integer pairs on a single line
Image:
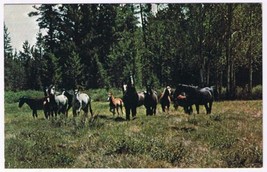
{"points": [[20, 26]]}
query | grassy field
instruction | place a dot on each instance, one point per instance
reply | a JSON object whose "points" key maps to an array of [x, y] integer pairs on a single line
{"points": [[231, 137]]}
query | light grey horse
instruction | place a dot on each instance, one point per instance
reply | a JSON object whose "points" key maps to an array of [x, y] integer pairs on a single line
{"points": [[81, 101], [58, 103], [62, 103]]}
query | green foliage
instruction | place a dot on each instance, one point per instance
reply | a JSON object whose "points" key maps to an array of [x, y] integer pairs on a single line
{"points": [[13, 97], [257, 92], [98, 45]]}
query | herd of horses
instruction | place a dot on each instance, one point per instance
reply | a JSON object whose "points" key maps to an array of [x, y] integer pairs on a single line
{"points": [[183, 95]]}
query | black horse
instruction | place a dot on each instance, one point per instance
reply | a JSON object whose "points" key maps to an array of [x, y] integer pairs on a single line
{"points": [[34, 103], [181, 100], [194, 96], [130, 98], [151, 100]]}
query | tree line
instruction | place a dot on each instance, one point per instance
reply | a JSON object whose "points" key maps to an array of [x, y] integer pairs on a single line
{"points": [[99, 45]]}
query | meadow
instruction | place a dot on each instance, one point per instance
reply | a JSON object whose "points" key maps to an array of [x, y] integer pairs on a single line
{"points": [[230, 137]]}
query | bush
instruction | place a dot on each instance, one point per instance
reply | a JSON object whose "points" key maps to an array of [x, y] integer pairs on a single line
{"points": [[13, 96], [257, 92]]}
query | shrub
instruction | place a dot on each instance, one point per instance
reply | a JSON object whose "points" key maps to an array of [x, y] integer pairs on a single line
{"points": [[13, 96], [257, 92]]}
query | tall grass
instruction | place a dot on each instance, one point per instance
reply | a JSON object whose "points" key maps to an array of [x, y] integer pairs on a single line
{"points": [[229, 137]]}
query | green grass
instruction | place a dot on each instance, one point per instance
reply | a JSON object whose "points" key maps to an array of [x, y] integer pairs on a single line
{"points": [[230, 137]]}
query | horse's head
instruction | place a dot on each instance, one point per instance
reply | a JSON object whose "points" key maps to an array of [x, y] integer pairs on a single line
{"points": [[130, 82], [52, 90], [109, 96], [124, 88], [149, 89], [21, 101], [182, 96], [76, 91], [168, 90]]}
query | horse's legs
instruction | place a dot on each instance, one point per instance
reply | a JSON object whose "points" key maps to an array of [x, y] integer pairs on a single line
{"points": [[121, 109], [134, 112], [207, 108], [168, 107], [86, 111], [190, 109], [117, 108], [33, 113], [127, 113], [197, 108], [90, 108], [155, 109], [163, 108], [69, 106], [210, 107], [74, 113], [147, 111]]}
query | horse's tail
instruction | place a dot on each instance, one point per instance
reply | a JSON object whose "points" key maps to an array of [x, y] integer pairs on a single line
{"points": [[90, 108]]}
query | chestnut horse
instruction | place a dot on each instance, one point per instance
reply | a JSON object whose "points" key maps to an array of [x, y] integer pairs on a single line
{"points": [[114, 103]]}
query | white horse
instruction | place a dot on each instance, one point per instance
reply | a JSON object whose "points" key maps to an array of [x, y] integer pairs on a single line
{"points": [[81, 101], [62, 103], [57, 103]]}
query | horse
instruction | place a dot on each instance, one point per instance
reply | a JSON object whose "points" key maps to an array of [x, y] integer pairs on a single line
{"points": [[165, 99], [151, 101], [81, 101], [115, 103], [130, 98], [195, 95], [69, 95], [141, 95], [56, 103], [182, 101], [34, 103]]}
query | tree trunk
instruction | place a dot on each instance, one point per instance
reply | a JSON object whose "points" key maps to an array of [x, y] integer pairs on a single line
{"points": [[143, 25], [202, 58], [250, 69], [229, 61]]}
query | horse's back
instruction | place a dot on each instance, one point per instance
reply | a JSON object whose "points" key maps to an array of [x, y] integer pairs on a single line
{"points": [[207, 93], [84, 98], [61, 99]]}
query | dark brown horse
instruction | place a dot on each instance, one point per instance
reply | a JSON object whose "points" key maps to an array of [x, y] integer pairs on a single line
{"points": [[130, 98], [165, 99], [115, 103], [151, 101]]}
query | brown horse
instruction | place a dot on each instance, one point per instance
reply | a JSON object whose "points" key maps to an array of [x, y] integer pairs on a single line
{"points": [[165, 99], [115, 103], [151, 100]]}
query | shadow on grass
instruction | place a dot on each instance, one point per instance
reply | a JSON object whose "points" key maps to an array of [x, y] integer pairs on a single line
{"points": [[112, 118]]}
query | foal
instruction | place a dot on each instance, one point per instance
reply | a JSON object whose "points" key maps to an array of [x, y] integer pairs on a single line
{"points": [[114, 103]]}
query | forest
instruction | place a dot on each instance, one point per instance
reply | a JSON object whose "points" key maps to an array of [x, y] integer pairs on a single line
{"points": [[99, 45]]}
